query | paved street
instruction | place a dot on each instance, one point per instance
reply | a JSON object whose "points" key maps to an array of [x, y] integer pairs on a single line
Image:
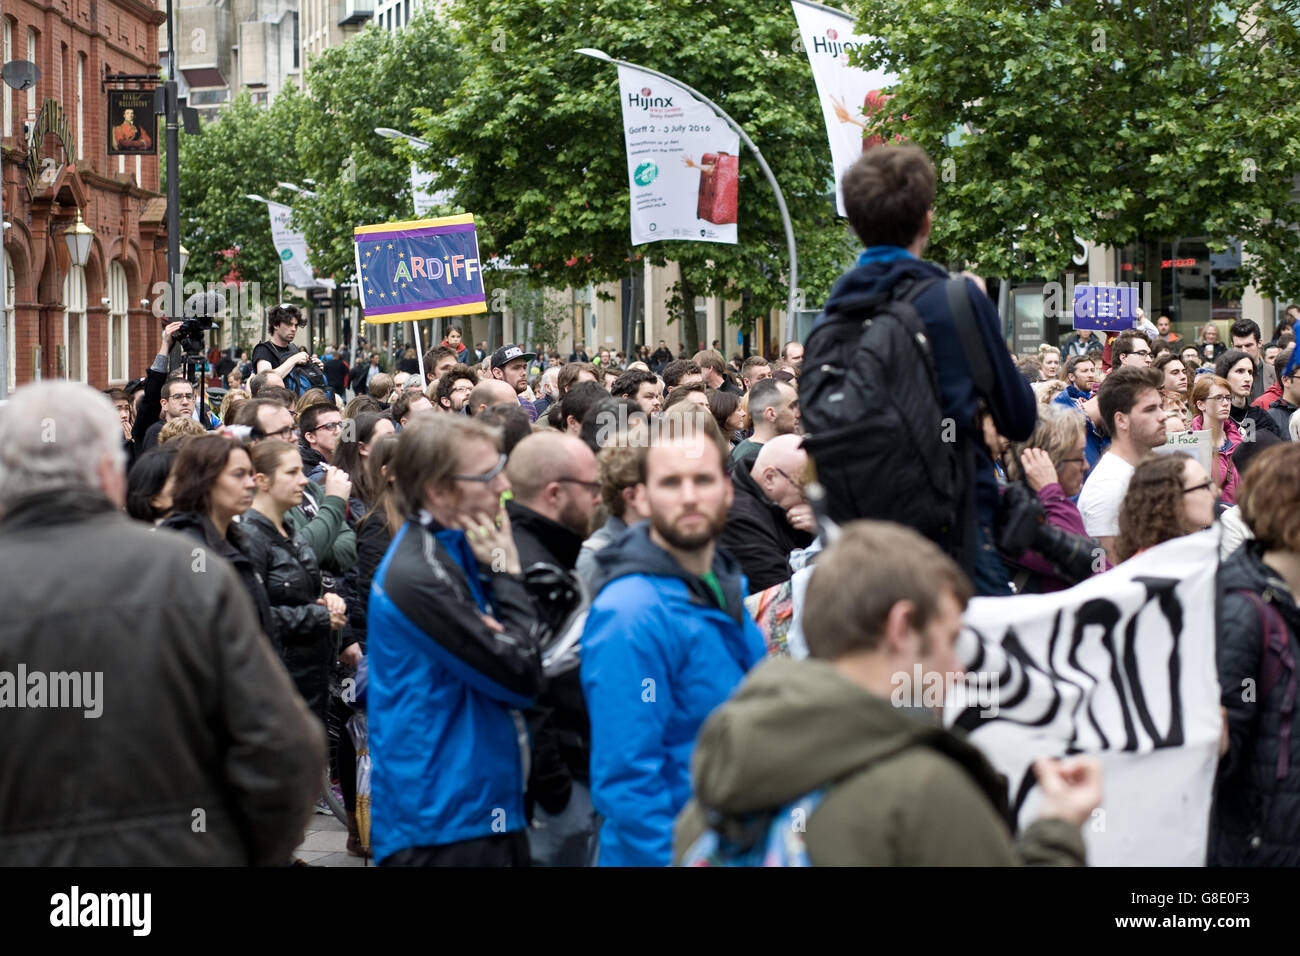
{"points": [[325, 843]]}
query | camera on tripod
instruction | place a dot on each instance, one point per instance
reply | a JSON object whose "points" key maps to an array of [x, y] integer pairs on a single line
{"points": [[201, 311]]}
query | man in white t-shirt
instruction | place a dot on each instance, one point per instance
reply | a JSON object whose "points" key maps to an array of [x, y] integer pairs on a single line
{"points": [[1130, 408]]}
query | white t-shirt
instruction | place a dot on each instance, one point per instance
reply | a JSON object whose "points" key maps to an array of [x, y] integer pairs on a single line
{"points": [[1103, 494]]}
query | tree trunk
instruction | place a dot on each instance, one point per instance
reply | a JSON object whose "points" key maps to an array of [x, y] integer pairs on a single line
{"points": [[690, 331]]}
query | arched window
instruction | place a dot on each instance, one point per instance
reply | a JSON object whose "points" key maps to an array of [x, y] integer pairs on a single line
{"points": [[74, 325], [119, 356]]}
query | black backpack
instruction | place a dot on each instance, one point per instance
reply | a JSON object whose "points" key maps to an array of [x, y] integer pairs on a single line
{"points": [[873, 416]]}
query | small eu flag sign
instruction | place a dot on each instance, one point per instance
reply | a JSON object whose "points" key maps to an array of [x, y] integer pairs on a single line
{"points": [[1105, 308]]}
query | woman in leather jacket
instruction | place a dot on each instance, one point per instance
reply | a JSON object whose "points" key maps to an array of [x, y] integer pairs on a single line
{"points": [[303, 616]]}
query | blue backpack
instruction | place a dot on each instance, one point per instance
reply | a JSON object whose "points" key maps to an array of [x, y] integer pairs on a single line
{"points": [[764, 839]]}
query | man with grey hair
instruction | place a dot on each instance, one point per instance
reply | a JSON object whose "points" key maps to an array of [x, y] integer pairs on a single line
{"points": [[190, 744]]}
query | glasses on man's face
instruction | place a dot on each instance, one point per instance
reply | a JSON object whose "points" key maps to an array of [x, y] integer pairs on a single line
{"points": [[288, 433], [486, 476], [328, 426], [1142, 352], [1203, 487]]}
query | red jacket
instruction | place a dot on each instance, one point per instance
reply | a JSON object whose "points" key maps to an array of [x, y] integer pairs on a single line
{"points": [[1271, 395]]}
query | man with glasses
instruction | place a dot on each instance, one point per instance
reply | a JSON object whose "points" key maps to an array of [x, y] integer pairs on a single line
{"points": [[556, 486], [452, 391], [177, 402], [769, 516], [453, 658], [320, 427], [1132, 348]]}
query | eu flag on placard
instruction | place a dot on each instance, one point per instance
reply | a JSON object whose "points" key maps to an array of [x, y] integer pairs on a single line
{"points": [[419, 269], [1105, 308]]}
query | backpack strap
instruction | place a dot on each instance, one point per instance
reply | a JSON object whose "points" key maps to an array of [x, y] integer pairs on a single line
{"points": [[1276, 657], [963, 317]]}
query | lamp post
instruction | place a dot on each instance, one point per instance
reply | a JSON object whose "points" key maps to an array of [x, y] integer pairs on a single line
{"points": [[79, 238], [762, 163]]}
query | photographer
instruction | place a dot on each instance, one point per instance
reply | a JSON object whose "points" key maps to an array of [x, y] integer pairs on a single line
{"points": [[299, 369], [1040, 531], [150, 408]]}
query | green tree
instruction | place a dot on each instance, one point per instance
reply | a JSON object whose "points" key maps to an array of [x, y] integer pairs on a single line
{"points": [[535, 132], [1121, 123], [246, 149], [376, 79]]}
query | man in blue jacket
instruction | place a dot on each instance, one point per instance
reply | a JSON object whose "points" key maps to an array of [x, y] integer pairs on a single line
{"points": [[889, 197], [666, 641], [453, 659]]}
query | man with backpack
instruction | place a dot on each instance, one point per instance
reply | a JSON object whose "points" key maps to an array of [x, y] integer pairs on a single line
{"points": [[891, 405], [826, 762], [300, 370]]}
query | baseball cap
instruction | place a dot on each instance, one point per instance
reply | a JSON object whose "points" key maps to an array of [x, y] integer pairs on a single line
{"points": [[508, 353]]}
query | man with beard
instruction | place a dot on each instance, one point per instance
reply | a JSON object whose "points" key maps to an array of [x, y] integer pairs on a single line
{"points": [[667, 639], [510, 365], [556, 485]]}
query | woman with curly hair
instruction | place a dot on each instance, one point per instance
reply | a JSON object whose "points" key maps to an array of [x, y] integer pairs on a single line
{"points": [[1174, 393], [1212, 401], [1168, 496]]}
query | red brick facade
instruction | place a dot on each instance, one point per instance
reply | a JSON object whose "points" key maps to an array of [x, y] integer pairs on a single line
{"points": [[105, 36]]}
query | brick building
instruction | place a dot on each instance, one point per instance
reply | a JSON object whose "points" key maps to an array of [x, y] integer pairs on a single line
{"points": [[93, 324]]}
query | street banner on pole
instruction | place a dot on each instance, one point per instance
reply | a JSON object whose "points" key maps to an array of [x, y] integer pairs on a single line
{"points": [[1120, 667], [682, 163], [419, 269], [292, 250], [848, 94]]}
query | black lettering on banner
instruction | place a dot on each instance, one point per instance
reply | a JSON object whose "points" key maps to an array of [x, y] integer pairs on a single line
{"points": [[1163, 589]]}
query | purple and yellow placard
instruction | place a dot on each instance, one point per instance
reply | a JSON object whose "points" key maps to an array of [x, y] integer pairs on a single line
{"points": [[419, 269]]}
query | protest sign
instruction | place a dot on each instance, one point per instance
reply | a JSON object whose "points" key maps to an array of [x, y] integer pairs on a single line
{"points": [[1105, 308], [1197, 444], [1121, 667], [420, 269]]}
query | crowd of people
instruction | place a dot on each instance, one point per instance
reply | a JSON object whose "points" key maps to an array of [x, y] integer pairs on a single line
{"points": [[550, 584]]}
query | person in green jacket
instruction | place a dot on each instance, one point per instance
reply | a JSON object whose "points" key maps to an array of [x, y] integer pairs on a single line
{"points": [[900, 789]]}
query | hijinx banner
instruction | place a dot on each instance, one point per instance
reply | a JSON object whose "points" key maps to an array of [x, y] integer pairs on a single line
{"points": [[848, 95], [419, 269], [1122, 667], [682, 163], [291, 247]]}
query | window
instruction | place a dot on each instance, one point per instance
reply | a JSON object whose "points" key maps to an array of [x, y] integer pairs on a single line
{"points": [[119, 357], [74, 325], [81, 114], [31, 55], [11, 334], [8, 94], [208, 97]]}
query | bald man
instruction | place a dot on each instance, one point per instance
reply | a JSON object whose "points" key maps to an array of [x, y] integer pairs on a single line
{"points": [[556, 484], [769, 516], [490, 391]]}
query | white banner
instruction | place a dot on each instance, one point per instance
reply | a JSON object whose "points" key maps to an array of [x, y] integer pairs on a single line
{"points": [[682, 163], [292, 250], [1121, 666], [845, 91]]}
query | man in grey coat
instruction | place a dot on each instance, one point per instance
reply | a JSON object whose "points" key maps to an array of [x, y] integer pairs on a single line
{"points": [[147, 720]]}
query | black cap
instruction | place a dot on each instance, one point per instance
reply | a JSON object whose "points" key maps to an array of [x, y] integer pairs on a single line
{"points": [[508, 353]]}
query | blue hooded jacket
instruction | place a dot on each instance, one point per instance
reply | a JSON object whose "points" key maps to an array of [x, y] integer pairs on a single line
{"points": [[658, 655], [446, 693]]}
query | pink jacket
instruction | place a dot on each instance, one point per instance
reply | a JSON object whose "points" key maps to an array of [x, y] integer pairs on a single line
{"points": [[1227, 469]]}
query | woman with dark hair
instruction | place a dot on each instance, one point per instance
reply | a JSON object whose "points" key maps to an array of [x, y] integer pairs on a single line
{"points": [[304, 618], [1168, 496], [1174, 392], [149, 484], [213, 486], [1257, 794], [1211, 398], [726, 411], [1238, 369], [352, 455]]}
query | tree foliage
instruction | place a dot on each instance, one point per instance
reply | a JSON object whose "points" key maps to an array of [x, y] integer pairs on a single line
{"points": [[246, 149], [536, 134], [1119, 122]]}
